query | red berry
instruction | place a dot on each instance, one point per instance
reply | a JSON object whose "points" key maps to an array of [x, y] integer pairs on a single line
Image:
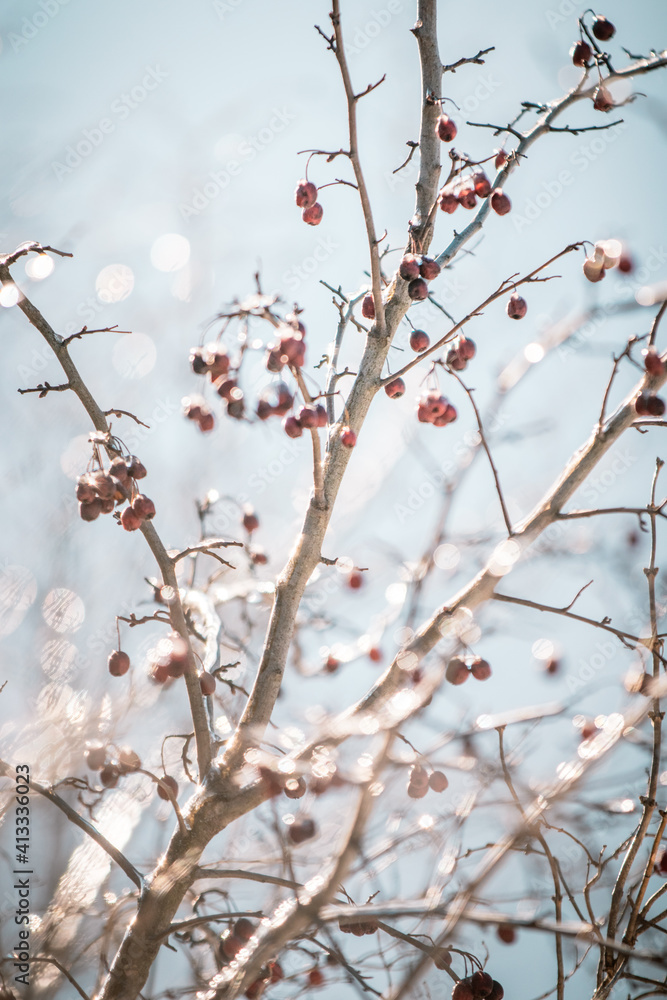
{"points": [[136, 469], [409, 267], [258, 556], [256, 989], [641, 404], [482, 983], [108, 505], [467, 197], [159, 673], [197, 360], [437, 781], [660, 864], [347, 437], [500, 203], [313, 214], [454, 360], [467, 348], [206, 683], [446, 128], [250, 520], [292, 427], [448, 202], [506, 933], [143, 507], [602, 99], [552, 667], [90, 511], [300, 830], [231, 945], [293, 348], [85, 491], [243, 929], [322, 418], [315, 977], [368, 306], [588, 730], [331, 665], [418, 290], [118, 663], [206, 422], [118, 468], [481, 183], [375, 654], [419, 341], [104, 485], [224, 385], [581, 53], [95, 756], [217, 362], [264, 409], [167, 784], [130, 519], [457, 671], [480, 669], [625, 263], [305, 194], [109, 776], [273, 360], [355, 580], [652, 363], [497, 992], [295, 788], [417, 791], [429, 269], [603, 29], [275, 972], [500, 160], [655, 406], [418, 775], [463, 990], [516, 307], [395, 388]]}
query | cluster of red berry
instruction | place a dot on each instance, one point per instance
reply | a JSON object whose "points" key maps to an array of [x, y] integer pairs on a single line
{"points": [[111, 766], [214, 362], [417, 270], [582, 54], [348, 925], [460, 353], [465, 190], [420, 781], [306, 198], [434, 408], [606, 255], [458, 670], [99, 492], [309, 416], [479, 986], [648, 404]]}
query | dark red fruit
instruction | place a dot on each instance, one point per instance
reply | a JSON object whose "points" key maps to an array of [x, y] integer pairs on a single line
{"points": [[355, 580], [256, 989], [276, 973], [660, 862], [419, 340], [347, 437], [481, 184], [625, 263], [437, 781], [143, 507], [418, 775], [467, 348], [641, 404], [652, 363], [273, 360], [463, 990], [446, 129], [417, 791], [231, 945], [235, 405], [167, 784], [108, 505], [516, 307], [331, 664], [655, 406], [109, 776], [418, 290], [467, 196], [322, 418], [313, 214], [207, 683], [264, 409], [368, 306], [482, 983], [602, 99], [292, 427], [130, 519], [85, 491], [197, 360], [457, 671], [581, 53], [395, 388], [243, 929], [500, 203], [315, 977], [308, 417], [480, 669], [448, 202], [104, 485], [375, 654], [500, 160], [435, 409], [506, 933], [250, 520], [128, 760], [206, 422], [159, 673], [224, 386], [118, 468], [603, 29], [497, 992], [454, 360], [258, 556], [293, 348], [90, 511], [295, 788], [217, 362], [305, 194], [136, 469], [429, 268], [95, 755], [409, 267], [118, 663], [300, 830]]}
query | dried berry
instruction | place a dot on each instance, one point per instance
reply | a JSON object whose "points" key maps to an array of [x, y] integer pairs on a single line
{"points": [[446, 129], [409, 267], [418, 290], [368, 306], [305, 194], [118, 663], [143, 507], [500, 203], [581, 53], [429, 269], [603, 29], [457, 670], [347, 437], [419, 341], [130, 519], [480, 669], [448, 202], [313, 214], [516, 307], [395, 388]]}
